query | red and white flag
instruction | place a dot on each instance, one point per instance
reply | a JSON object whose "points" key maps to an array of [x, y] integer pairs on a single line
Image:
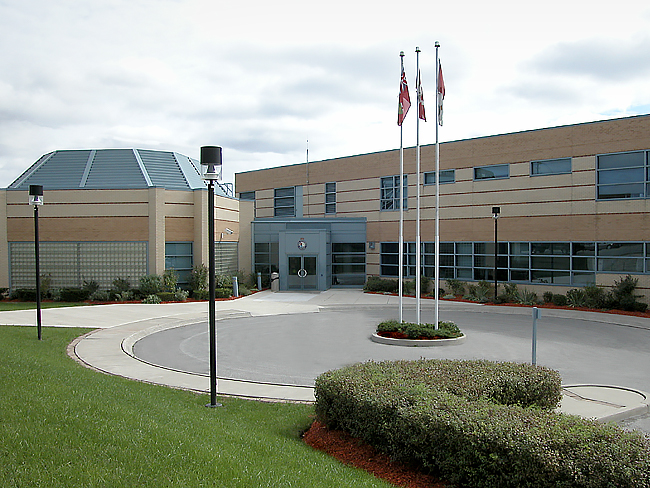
{"points": [[404, 99], [421, 113], [441, 93]]}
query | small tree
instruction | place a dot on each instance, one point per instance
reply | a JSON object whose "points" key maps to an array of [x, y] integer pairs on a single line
{"points": [[170, 280], [150, 284], [199, 278]]}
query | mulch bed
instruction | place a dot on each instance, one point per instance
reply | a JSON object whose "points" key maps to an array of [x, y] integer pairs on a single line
{"points": [[354, 452]]}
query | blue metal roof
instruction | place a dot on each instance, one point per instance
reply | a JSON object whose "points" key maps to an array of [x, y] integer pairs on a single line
{"points": [[113, 169]]}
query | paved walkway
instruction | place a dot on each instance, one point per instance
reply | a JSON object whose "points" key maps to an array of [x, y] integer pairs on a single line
{"points": [[118, 327]]}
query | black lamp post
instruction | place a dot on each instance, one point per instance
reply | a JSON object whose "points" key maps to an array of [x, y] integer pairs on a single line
{"points": [[36, 199], [210, 171], [495, 215]]}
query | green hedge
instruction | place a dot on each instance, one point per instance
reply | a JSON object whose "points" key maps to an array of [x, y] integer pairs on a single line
{"points": [[480, 424], [446, 330], [74, 295]]}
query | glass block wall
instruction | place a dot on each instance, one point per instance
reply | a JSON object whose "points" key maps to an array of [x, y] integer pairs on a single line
{"points": [[69, 264]]}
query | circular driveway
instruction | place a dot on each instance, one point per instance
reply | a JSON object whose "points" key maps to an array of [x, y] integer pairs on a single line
{"points": [[293, 349]]}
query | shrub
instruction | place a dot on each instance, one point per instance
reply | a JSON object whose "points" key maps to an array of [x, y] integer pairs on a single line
{"points": [[375, 283], [90, 287], [169, 280], [223, 292], [124, 296], [622, 296], [74, 295], [446, 330], [24, 294], [576, 297], [511, 292], [547, 296], [457, 287], [100, 296], [166, 296], [594, 296], [151, 299], [559, 300], [181, 295], [481, 292], [150, 284], [480, 424], [223, 281], [201, 294], [528, 297], [199, 278], [120, 285]]}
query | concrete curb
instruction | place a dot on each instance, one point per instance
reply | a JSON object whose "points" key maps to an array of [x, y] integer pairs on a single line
{"points": [[417, 342]]}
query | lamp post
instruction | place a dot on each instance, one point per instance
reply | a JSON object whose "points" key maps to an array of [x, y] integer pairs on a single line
{"points": [[495, 215], [210, 171], [36, 199]]}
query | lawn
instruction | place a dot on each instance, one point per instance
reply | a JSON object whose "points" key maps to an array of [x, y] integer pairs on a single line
{"points": [[6, 305], [62, 425]]}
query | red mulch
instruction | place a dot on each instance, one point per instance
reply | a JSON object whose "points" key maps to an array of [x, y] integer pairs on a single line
{"points": [[541, 305], [354, 452]]}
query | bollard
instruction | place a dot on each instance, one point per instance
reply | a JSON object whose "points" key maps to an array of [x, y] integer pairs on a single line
{"points": [[259, 281], [235, 287], [536, 315]]}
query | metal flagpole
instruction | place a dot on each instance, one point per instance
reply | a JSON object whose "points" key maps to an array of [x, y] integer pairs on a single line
{"points": [[417, 179], [437, 244], [401, 208]]}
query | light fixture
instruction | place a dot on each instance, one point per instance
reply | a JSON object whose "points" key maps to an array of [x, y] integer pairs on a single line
{"points": [[495, 215], [36, 199]]}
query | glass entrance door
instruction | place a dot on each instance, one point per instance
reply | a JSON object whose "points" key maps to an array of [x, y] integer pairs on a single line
{"points": [[302, 273]]}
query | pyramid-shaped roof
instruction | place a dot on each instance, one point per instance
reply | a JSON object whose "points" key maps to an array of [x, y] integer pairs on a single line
{"points": [[113, 169]]}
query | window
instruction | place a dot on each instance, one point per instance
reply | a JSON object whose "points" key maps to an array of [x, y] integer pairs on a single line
{"points": [[493, 172], [348, 263], [330, 198], [560, 263], [622, 175], [620, 257], [550, 167], [284, 202], [267, 258], [179, 257], [390, 193], [446, 176], [247, 195]]}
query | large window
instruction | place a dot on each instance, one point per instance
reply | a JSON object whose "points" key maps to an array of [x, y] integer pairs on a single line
{"points": [[348, 263], [561, 263], [179, 257], [284, 202], [330, 198], [623, 175], [390, 193], [492, 172], [267, 258], [446, 176], [247, 195], [550, 167]]}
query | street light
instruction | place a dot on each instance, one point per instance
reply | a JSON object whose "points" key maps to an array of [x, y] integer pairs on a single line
{"points": [[36, 199], [210, 171], [495, 216]]}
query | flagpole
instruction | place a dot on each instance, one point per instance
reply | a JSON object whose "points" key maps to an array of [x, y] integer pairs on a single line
{"points": [[401, 209], [417, 225], [437, 244]]}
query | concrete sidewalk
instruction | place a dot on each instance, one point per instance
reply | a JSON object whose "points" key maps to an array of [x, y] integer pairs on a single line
{"points": [[109, 348]]}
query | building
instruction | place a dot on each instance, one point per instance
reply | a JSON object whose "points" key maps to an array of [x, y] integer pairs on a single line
{"points": [[113, 213], [574, 210]]}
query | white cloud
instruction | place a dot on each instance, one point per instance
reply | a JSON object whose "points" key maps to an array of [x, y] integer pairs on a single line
{"points": [[260, 78]]}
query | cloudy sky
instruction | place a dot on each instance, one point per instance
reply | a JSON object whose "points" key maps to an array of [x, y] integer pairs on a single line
{"points": [[260, 78]]}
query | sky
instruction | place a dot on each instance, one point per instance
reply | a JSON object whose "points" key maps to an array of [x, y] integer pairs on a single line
{"points": [[267, 80]]}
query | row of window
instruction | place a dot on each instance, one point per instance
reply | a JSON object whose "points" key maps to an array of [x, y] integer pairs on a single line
{"points": [[565, 263], [619, 176]]}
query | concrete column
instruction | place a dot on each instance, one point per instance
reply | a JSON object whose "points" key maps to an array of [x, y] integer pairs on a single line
{"points": [[200, 248], [156, 230]]}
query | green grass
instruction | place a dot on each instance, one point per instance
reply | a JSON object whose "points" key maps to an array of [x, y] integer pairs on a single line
{"points": [[6, 306], [62, 425]]}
